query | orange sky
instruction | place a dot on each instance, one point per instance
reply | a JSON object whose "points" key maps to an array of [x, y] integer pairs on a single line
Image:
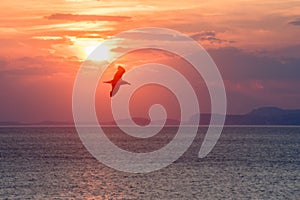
{"points": [[43, 43]]}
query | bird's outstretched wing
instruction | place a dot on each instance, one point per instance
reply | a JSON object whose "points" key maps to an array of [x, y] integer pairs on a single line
{"points": [[117, 79]]}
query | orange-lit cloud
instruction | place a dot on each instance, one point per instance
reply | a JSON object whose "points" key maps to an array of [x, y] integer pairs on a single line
{"points": [[72, 17]]}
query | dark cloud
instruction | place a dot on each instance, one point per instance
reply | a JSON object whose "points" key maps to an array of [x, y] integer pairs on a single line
{"points": [[165, 36], [209, 36], [295, 22], [200, 35], [75, 17], [216, 40], [154, 34], [236, 64]]}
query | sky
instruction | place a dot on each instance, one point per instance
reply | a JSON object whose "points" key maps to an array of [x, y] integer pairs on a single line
{"points": [[255, 44]]}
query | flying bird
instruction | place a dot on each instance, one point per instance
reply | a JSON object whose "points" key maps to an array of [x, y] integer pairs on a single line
{"points": [[117, 81]]}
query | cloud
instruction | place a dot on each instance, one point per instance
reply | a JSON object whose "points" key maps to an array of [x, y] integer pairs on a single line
{"points": [[154, 34], [75, 33], [75, 17], [236, 64], [209, 36], [36, 66], [295, 22], [200, 35]]}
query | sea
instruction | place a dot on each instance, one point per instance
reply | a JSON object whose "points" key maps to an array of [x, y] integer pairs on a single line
{"points": [[246, 163]]}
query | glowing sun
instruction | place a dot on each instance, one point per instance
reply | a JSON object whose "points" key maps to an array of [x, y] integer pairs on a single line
{"points": [[88, 46]]}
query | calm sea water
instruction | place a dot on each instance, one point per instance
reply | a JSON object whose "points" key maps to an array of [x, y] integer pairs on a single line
{"points": [[247, 162]]}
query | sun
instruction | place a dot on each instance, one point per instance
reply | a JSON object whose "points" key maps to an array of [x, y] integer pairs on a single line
{"points": [[103, 52], [88, 46]]}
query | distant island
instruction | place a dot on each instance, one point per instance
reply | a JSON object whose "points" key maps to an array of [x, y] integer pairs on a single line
{"points": [[259, 116]]}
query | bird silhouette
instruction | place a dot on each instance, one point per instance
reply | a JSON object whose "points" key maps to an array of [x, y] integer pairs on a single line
{"points": [[117, 81]]}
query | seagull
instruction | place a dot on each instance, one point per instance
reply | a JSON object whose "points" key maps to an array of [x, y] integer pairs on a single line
{"points": [[117, 81]]}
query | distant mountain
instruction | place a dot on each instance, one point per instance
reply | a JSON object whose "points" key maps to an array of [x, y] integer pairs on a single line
{"points": [[259, 116], [272, 116], [143, 121], [53, 123], [43, 123], [10, 123]]}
